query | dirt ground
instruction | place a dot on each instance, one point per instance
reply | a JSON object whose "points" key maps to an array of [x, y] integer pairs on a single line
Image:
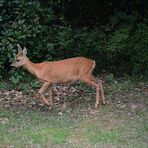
{"points": [[125, 105]]}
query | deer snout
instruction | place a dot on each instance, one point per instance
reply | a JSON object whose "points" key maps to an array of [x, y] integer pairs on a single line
{"points": [[13, 65]]}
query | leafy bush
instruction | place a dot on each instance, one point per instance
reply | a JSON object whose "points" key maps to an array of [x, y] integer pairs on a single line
{"points": [[139, 49], [22, 22], [120, 46], [128, 49], [127, 45]]}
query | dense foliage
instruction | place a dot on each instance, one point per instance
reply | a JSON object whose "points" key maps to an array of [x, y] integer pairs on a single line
{"points": [[118, 42]]}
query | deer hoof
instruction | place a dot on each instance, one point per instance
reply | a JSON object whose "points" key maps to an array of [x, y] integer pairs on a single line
{"points": [[50, 108], [103, 102], [96, 105]]}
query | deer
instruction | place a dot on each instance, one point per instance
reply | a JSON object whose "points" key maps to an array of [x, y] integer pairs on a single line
{"points": [[62, 71]]}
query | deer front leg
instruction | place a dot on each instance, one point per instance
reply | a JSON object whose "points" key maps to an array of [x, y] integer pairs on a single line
{"points": [[50, 96], [41, 92]]}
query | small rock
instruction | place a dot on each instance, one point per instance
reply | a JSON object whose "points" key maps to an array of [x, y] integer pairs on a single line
{"points": [[60, 113], [57, 99], [6, 93], [118, 102], [122, 106], [41, 104], [64, 107], [136, 106], [4, 120]]}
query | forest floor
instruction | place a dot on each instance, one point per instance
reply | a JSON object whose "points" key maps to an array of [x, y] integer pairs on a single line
{"points": [[73, 122]]}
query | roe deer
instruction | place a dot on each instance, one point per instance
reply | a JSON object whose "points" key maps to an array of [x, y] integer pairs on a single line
{"points": [[78, 68]]}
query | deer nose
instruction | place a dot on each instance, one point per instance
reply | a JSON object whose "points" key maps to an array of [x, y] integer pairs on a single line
{"points": [[11, 64]]}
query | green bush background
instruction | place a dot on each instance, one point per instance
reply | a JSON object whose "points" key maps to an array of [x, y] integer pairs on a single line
{"points": [[119, 44]]}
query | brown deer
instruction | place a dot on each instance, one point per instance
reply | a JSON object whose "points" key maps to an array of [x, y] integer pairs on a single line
{"points": [[72, 69]]}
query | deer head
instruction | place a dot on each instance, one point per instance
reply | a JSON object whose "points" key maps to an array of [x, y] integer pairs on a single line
{"points": [[21, 58]]}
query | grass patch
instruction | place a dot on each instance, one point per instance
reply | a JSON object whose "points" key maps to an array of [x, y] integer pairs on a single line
{"points": [[96, 135], [33, 127], [59, 135]]}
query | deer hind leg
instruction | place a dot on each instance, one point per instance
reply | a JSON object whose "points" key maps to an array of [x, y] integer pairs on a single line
{"points": [[102, 93], [91, 81], [41, 92]]}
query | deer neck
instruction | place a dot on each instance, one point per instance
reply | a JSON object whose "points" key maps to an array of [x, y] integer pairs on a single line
{"points": [[31, 67]]}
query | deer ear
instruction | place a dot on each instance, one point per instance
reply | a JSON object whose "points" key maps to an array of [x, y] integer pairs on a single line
{"points": [[24, 51], [19, 48]]}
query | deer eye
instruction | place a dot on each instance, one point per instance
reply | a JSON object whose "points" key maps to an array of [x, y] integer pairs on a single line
{"points": [[17, 60]]}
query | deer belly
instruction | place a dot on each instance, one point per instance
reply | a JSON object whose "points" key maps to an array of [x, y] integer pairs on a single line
{"points": [[65, 78]]}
